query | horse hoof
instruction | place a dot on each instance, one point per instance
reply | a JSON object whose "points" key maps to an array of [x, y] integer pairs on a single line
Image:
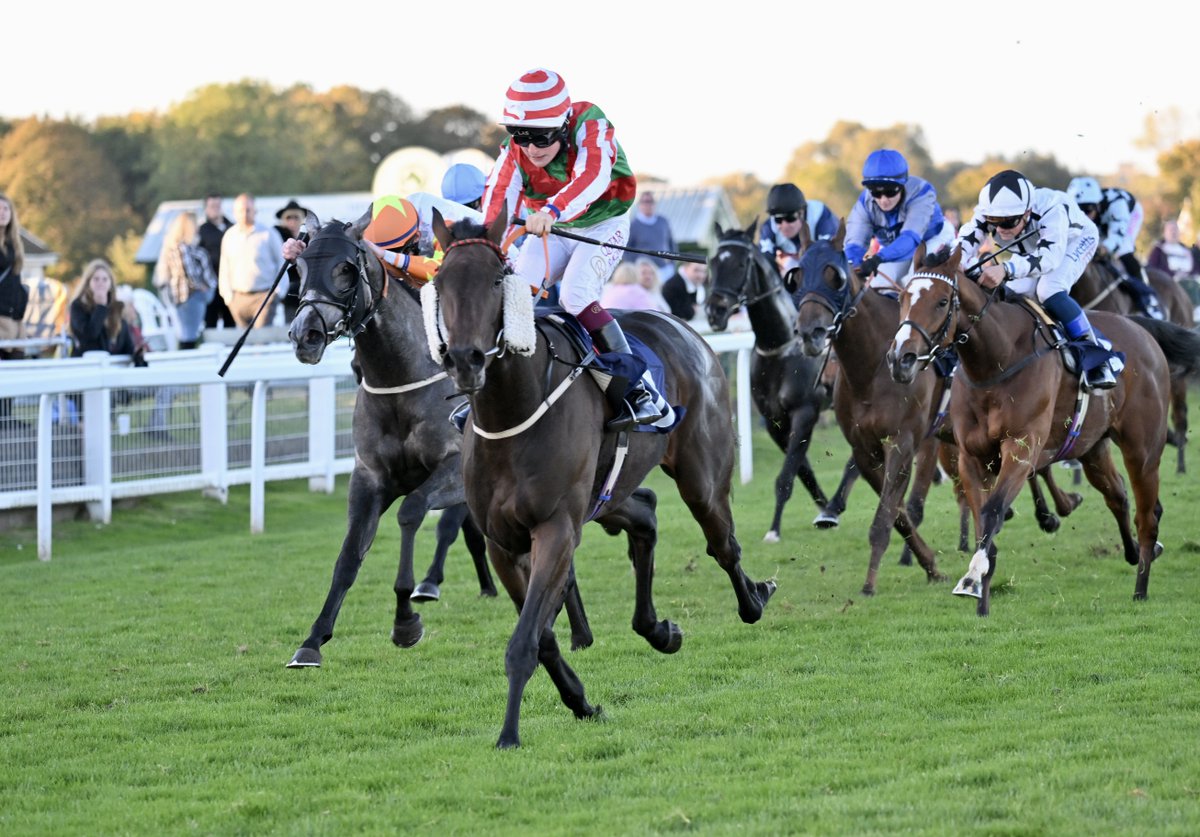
{"points": [[826, 520], [408, 633], [906, 557], [426, 591], [868, 590], [968, 586], [1049, 523], [305, 658], [487, 593], [1158, 548], [673, 640], [771, 537], [581, 641]]}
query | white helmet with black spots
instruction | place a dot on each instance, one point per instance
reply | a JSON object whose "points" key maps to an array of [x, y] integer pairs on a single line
{"points": [[1006, 195], [1085, 190]]}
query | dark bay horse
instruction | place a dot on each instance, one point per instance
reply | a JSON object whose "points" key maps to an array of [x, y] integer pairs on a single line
{"points": [[783, 381], [886, 423], [1013, 408], [1099, 289], [404, 446], [538, 464]]}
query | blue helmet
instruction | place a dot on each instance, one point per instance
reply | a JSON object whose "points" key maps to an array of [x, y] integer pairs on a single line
{"points": [[463, 183], [885, 166]]}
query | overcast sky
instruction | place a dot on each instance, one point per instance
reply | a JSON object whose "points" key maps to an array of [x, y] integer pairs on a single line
{"points": [[692, 94]]}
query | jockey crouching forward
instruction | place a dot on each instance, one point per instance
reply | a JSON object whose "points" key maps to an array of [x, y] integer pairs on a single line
{"points": [[1047, 263], [900, 212], [563, 162]]}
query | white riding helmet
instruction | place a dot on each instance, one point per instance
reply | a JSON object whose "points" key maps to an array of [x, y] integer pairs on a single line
{"points": [[1085, 190], [1006, 195]]}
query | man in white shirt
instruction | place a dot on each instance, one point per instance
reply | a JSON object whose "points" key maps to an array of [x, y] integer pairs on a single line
{"points": [[251, 256]]}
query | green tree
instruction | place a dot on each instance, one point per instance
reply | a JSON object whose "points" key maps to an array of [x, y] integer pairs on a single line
{"points": [[747, 194], [129, 142], [67, 191]]}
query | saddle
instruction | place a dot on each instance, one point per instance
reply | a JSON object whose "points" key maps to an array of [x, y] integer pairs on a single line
{"points": [[1078, 356], [613, 373]]}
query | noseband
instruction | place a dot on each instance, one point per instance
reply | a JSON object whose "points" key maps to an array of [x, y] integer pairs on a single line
{"points": [[739, 298], [357, 306], [938, 343], [499, 346]]}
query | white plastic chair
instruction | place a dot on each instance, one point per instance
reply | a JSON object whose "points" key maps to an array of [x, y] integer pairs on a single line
{"points": [[160, 323]]}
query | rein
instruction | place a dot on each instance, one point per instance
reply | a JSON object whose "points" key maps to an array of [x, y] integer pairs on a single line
{"points": [[356, 312], [739, 298]]}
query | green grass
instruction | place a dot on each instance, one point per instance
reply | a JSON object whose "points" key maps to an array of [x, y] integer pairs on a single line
{"points": [[145, 690]]}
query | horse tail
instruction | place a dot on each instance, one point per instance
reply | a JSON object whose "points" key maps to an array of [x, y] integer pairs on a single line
{"points": [[1180, 345]]}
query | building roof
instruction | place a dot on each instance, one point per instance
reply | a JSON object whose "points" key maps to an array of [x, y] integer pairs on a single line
{"points": [[691, 213], [37, 249], [344, 206]]}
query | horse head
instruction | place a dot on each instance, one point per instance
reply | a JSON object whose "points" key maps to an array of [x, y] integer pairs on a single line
{"points": [[340, 287], [470, 298], [928, 315], [823, 282], [739, 272]]}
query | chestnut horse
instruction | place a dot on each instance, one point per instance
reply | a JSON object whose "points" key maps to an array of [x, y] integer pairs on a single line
{"points": [[783, 381], [1014, 406], [1099, 289], [538, 464]]}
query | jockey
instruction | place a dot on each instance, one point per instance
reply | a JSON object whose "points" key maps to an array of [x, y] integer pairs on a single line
{"points": [[562, 161], [900, 211], [464, 184], [1118, 215], [400, 234], [1048, 263], [787, 212]]}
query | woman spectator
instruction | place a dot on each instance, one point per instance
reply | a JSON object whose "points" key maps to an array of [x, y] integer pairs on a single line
{"points": [[96, 321], [185, 278], [647, 274], [625, 291], [13, 294]]}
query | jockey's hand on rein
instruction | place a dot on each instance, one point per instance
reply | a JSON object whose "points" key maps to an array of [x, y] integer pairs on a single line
{"points": [[869, 266], [292, 248], [539, 223]]}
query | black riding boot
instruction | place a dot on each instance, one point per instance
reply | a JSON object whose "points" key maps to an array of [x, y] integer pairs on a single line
{"points": [[610, 338]]}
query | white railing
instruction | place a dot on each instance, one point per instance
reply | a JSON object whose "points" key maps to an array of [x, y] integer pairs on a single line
{"points": [[94, 429]]}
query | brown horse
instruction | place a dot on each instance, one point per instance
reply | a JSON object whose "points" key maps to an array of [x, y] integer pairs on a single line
{"points": [[1013, 407], [1099, 289], [886, 423], [538, 464]]}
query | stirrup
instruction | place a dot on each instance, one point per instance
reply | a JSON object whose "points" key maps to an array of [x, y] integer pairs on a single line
{"points": [[640, 410], [1099, 378]]}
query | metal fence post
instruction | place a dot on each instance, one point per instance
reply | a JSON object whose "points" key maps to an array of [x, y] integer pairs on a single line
{"points": [[45, 478], [214, 439], [322, 407], [258, 456]]}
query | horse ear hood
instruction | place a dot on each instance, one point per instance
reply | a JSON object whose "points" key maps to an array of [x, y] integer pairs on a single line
{"points": [[356, 229]]}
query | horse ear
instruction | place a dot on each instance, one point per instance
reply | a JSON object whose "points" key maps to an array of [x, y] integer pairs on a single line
{"points": [[805, 237], [717, 229], [440, 231], [918, 258], [750, 230], [839, 238], [498, 227], [311, 222], [356, 229], [955, 257]]}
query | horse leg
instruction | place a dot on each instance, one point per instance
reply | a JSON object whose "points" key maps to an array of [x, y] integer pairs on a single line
{"points": [[897, 464], [477, 546], [636, 518], [923, 473], [554, 541], [1015, 469], [1064, 503], [581, 631], [705, 490], [366, 502], [1179, 420], [795, 466], [448, 526], [828, 518], [407, 629]]}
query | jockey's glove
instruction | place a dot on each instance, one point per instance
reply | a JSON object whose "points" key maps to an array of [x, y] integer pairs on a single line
{"points": [[869, 266]]}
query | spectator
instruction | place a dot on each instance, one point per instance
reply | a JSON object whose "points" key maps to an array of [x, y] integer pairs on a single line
{"points": [[647, 273], [97, 321], [463, 183], [211, 233], [14, 296], [1178, 260], [251, 256], [185, 278], [625, 291], [291, 218], [684, 291], [651, 231]]}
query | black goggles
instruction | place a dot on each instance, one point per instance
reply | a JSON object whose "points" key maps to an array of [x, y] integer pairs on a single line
{"points": [[786, 218], [889, 190], [1004, 223], [543, 138]]}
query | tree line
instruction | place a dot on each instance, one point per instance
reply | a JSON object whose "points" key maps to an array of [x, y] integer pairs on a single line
{"points": [[90, 189]]}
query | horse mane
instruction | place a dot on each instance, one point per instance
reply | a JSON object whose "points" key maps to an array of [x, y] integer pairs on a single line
{"points": [[466, 228], [940, 257]]}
